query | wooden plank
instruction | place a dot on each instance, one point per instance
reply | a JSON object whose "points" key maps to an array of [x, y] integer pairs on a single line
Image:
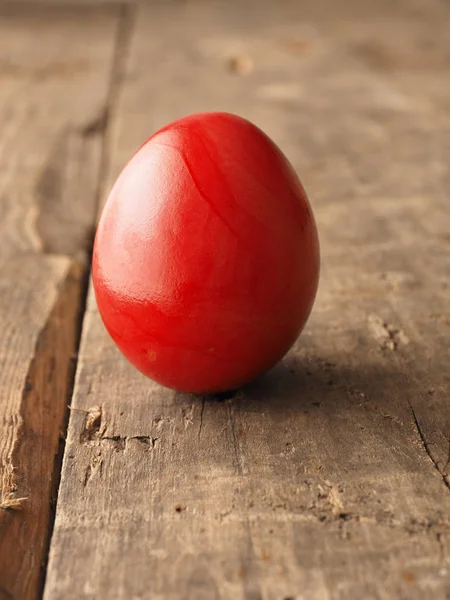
{"points": [[284, 8], [50, 142], [326, 479], [52, 91], [38, 337]]}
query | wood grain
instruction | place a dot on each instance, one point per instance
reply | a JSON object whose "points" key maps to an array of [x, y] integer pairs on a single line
{"points": [[51, 90], [40, 300], [327, 478], [319, 9]]}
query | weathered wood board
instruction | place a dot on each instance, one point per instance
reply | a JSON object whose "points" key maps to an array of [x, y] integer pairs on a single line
{"points": [[52, 91], [326, 479]]}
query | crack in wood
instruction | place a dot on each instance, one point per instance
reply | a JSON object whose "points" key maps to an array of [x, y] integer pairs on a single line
{"points": [[32, 486], [202, 409], [119, 441], [66, 215], [235, 440], [125, 26], [145, 440], [94, 431], [426, 447], [52, 206]]}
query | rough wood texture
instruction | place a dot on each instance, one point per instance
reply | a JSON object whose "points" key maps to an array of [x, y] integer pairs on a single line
{"points": [[326, 479], [52, 90]]}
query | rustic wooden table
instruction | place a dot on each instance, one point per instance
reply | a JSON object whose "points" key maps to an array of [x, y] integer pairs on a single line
{"points": [[326, 479]]}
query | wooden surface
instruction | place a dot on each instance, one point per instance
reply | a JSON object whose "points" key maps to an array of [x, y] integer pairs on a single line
{"points": [[50, 93], [327, 479]]}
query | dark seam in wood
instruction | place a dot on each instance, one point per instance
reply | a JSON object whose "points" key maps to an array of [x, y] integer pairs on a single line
{"points": [[123, 37], [235, 441], [144, 439], [427, 449], [202, 410], [125, 27], [445, 469], [56, 478], [37, 376], [29, 388], [60, 230]]}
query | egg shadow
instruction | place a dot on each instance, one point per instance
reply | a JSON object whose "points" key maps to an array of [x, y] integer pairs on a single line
{"points": [[301, 384]]}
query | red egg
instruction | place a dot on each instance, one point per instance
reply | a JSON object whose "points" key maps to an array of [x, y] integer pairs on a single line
{"points": [[206, 257]]}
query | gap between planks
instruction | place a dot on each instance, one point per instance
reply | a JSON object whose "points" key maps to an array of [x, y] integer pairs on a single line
{"points": [[99, 126], [57, 254]]}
